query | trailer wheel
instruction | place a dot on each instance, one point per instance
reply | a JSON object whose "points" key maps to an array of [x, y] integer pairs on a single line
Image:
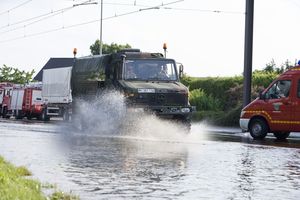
{"points": [[281, 135], [66, 115], [44, 116], [258, 128]]}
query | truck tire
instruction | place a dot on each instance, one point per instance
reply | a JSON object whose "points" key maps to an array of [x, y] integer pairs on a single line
{"points": [[184, 121], [18, 114], [44, 116], [258, 129], [66, 115], [4, 114], [281, 135]]}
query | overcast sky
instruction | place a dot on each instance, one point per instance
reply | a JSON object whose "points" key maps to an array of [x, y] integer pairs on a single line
{"points": [[207, 36]]}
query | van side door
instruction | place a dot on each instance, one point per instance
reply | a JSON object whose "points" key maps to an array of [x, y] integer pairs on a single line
{"points": [[278, 105], [296, 107]]}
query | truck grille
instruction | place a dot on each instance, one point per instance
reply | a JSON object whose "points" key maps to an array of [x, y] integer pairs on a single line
{"points": [[162, 99]]}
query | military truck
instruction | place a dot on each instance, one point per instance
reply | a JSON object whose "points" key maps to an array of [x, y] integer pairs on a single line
{"points": [[149, 81]]}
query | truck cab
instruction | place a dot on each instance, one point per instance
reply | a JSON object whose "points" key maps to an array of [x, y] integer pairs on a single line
{"points": [[276, 110], [148, 81], [5, 98]]}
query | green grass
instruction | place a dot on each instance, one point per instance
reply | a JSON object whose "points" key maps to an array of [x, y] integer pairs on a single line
{"points": [[15, 185]]}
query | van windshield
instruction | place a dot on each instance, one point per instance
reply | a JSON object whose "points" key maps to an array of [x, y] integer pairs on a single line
{"points": [[150, 70], [279, 89]]}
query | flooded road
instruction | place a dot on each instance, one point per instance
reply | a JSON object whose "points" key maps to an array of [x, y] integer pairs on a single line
{"points": [[156, 163]]}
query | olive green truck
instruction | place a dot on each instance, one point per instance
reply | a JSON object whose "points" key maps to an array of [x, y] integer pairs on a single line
{"points": [[149, 81]]}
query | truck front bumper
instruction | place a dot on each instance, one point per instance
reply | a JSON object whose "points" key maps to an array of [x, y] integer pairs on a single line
{"points": [[168, 110]]}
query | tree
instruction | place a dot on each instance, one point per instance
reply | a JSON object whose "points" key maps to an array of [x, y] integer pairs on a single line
{"points": [[270, 67], [107, 49], [14, 75]]}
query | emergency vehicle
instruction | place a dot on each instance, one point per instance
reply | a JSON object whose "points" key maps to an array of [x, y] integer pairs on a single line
{"points": [[277, 109], [5, 94], [21, 101]]}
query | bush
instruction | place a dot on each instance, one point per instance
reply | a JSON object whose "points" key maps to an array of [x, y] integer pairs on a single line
{"points": [[203, 101], [230, 118], [263, 79]]}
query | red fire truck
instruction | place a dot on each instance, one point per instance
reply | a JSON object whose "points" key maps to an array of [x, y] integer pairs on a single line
{"points": [[277, 109], [5, 94], [21, 101]]}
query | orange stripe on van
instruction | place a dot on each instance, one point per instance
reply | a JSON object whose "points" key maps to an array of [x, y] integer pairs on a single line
{"points": [[270, 118]]}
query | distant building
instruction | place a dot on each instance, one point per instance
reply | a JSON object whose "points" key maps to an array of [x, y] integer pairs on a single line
{"points": [[54, 63]]}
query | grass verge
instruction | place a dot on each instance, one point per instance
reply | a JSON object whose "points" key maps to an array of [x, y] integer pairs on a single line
{"points": [[15, 185]]}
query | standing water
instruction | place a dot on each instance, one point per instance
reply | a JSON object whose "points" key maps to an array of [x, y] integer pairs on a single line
{"points": [[143, 157]]}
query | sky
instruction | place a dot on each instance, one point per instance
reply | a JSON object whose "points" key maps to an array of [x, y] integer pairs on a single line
{"points": [[206, 36]]}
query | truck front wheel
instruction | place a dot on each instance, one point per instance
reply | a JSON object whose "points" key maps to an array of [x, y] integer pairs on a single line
{"points": [[5, 113], [281, 135], [258, 129]]}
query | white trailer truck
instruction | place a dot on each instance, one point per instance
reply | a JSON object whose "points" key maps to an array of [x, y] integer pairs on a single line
{"points": [[56, 93]]}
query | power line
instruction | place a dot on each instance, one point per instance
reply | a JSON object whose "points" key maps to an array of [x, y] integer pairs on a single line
{"points": [[203, 10], [179, 9], [88, 22], [42, 18], [18, 6], [42, 15]]}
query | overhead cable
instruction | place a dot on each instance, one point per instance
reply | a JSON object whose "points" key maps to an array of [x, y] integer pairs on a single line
{"points": [[18, 6], [88, 22], [41, 16]]}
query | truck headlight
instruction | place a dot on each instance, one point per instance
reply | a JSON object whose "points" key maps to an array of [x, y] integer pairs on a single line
{"points": [[129, 94], [185, 110]]}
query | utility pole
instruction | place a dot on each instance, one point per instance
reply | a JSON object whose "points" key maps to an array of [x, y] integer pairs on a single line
{"points": [[248, 52], [101, 18]]}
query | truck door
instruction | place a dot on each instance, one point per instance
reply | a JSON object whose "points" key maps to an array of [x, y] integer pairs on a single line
{"points": [[296, 108], [278, 106]]}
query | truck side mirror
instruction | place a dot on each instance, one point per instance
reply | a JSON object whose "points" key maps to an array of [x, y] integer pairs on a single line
{"points": [[180, 71]]}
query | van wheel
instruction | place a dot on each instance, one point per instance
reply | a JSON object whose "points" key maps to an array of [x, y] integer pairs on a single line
{"points": [[281, 135], [258, 129]]}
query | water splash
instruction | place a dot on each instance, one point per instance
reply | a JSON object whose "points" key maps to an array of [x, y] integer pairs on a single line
{"points": [[108, 115], [102, 115]]}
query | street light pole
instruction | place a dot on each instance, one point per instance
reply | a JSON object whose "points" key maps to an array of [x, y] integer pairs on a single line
{"points": [[101, 18], [248, 52]]}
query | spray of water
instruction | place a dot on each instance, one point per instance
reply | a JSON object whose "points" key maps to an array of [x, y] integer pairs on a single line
{"points": [[108, 115], [102, 115]]}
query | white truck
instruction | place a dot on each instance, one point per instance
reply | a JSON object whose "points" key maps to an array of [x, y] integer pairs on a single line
{"points": [[56, 93]]}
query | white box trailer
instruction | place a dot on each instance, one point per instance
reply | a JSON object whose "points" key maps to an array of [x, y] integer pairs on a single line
{"points": [[56, 92]]}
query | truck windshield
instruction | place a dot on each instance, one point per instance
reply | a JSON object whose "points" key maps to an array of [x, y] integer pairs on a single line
{"points": [[150, 69]]}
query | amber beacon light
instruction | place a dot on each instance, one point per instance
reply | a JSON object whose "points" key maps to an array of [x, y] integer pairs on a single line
{"points": [[165, 49], [74, 52]]}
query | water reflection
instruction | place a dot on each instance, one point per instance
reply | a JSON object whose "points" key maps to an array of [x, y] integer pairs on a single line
{"points": [[115, 166], [145, 166]]}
